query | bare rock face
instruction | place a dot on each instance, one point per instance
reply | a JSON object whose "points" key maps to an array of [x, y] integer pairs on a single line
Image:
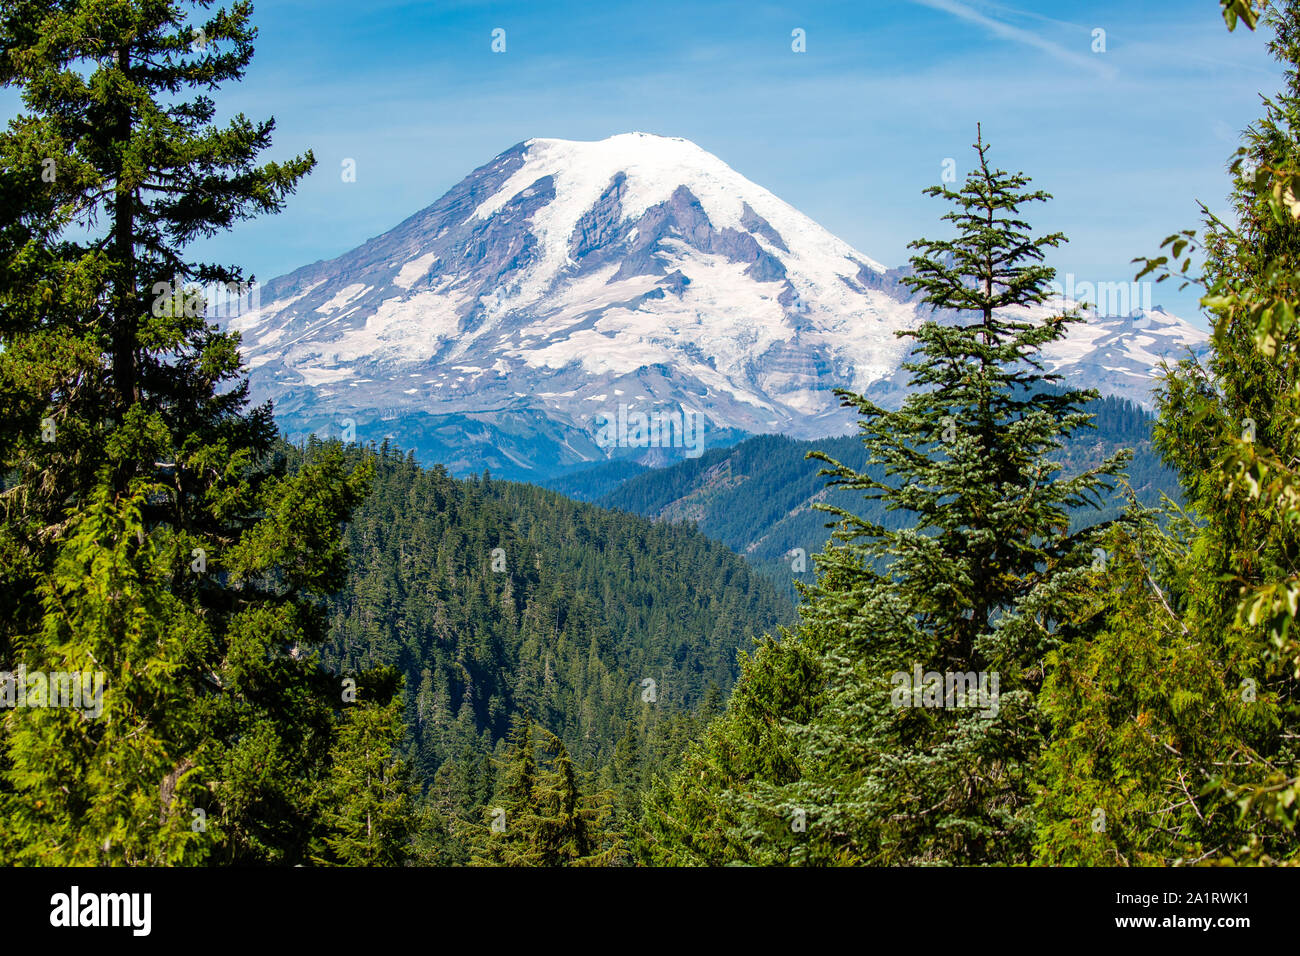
{"points": [[564, 284]]}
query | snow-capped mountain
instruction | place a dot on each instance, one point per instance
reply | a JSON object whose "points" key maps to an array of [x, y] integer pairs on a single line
{"points": [[568, 286], [1121, 355]]}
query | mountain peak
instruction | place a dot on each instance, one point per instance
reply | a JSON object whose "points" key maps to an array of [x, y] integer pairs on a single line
{"points": [[565, 282], [627, 139], [651, 168]]}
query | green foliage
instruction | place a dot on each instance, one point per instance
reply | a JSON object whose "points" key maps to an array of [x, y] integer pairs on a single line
{"points": [[86, 789], [1143, 714], [983, 577], [757, 497], [557, 660], [497, 600], [1230, 429], [146, 533], [591, 484], [368, 798], [1245, 10], [693, 817], [539, 816]]}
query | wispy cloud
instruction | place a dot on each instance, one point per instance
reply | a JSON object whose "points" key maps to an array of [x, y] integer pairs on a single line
{"points": [[1019, 35]]}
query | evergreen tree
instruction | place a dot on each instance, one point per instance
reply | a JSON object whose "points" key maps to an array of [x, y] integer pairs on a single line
{"points": [[1141, 713], [367, 799], [1219, 764], [539, 815], [979, 582], [976, 591], [694, 817], [146, 531]]}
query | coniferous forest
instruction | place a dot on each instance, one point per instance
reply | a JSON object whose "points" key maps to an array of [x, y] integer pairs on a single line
{"points": [[1037, 626]]}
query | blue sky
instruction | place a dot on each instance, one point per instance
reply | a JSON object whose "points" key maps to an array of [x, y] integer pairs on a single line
{"points": [[849, 131]]}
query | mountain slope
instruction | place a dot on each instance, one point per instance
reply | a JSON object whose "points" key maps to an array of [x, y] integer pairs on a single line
{"points": [[564, 287], [566, 622], [757, 497]]}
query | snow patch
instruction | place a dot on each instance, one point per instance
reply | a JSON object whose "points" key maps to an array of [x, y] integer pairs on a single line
{"points": [[344, 296]]}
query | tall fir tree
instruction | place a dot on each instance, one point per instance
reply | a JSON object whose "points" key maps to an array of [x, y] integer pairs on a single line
{"points": [[979, 583], [147, 533]]}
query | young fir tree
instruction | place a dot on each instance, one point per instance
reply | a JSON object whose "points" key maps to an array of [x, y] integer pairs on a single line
{"points": [[368, 802], [142, 534], [981, 585], [693, 817], [539, 815]]}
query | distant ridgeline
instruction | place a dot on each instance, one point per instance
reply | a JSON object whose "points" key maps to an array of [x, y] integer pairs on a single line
{"points": [[495, 598], [756, 497]]}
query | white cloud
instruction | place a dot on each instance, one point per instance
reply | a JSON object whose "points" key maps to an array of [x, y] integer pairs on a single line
{"points": [[1005, 30]]}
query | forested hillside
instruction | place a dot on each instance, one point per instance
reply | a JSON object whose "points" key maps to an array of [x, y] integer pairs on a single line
{"points": [[595, 481], [497, 599], [757, 497]]}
